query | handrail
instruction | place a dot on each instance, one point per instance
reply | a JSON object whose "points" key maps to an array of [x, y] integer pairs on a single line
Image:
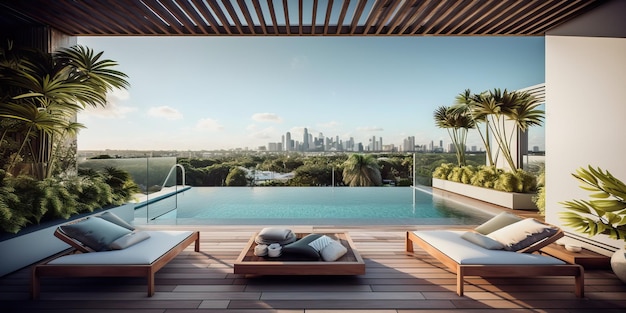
{"points": [[170, 173]]}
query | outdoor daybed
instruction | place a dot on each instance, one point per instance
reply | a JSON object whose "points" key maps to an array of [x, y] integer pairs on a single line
{"points": [[100, 251], [502, 247]]}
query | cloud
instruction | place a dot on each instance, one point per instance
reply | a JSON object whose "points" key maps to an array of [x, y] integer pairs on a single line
{"points": [[265, 133], [208, 124], [165, 112], [114, 108], [370, 129], [268, 132], [267, 117]]}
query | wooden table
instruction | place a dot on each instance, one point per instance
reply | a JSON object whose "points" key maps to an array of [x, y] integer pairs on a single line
{"points": [[349, 264], [586, 258]]}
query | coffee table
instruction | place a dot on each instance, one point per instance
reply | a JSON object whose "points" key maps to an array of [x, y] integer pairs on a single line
{"points": [[349, 264]]}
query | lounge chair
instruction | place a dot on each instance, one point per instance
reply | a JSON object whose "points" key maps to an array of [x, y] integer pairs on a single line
{"points": [[476, 253], [136, 254]]}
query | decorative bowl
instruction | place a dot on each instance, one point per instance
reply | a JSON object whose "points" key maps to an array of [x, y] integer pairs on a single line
{"points": [[573, 248]]}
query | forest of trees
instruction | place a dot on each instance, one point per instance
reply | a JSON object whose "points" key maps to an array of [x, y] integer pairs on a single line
{"points": [[395, 169]]}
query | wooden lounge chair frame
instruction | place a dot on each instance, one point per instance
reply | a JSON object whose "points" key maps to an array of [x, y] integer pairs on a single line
{"points": [[104, 270], [463, 270]]}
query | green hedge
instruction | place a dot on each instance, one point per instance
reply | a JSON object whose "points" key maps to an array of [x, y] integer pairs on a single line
{"points": [[488, 177]]}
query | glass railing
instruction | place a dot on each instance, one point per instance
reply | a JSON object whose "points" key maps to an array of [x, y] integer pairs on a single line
{"points": [[160, 180]]}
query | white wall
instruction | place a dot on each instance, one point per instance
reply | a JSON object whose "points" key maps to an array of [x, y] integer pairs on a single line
{"points": [[585, 105]]}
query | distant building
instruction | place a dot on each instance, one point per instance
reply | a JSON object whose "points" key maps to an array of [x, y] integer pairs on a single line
{"points": [[288, 142], [451, 148], [305, 140]]}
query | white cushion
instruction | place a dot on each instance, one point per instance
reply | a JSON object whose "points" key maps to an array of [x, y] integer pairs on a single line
{"points": [[333, 251], [522, 234], [482, 240], [501, 220], [142, 253], [450, 243]]}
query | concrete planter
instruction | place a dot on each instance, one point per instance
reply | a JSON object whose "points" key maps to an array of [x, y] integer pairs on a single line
{"points": [[31, 247], [511, 200]]}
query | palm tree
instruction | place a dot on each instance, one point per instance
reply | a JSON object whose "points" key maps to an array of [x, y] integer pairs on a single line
{"points": [[40, 95], [457, 124], [361, 170], [465, 104], [498, 107]]}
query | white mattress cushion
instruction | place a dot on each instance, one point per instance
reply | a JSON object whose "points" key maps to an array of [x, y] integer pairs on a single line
{"points": [[450, 243], [143, 253]]}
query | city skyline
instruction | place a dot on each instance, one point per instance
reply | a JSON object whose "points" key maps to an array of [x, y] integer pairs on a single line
{"points": [[322, 143], [242, 93]]}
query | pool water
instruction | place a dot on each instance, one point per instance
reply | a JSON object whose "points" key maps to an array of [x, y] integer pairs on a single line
{"points": [[309, 206]]}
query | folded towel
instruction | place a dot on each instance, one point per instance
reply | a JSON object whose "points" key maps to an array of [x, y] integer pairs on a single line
{"points": [[274, 250], [271, 235]]}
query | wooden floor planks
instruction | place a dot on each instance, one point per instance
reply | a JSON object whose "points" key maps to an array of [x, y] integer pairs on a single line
{"points": [[394, 282]]}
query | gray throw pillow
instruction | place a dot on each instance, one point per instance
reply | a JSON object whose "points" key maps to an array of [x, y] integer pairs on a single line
{"points": [[95, 233]]}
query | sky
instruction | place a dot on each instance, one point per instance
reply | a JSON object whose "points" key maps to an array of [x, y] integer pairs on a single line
{"points": [[210, 93]]}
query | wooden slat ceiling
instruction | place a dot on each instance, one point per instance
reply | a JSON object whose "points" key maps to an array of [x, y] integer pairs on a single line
{"points": [[299, 17]]}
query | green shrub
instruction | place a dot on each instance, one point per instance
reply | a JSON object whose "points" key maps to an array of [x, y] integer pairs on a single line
{"points": [[404, 182], [11, 221], [57, 201], [468, 172], [25, 200], [28, 189], [455, 174], [236, 177], [540, 198], [486, 176], [508, 182], [91, 189], [442, 171], [527, 180], [518, 181]]}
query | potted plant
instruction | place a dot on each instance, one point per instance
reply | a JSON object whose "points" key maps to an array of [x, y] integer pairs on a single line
{"points": [[603, 213]]}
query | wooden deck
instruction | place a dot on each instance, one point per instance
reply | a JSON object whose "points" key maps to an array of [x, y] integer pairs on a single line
{"points": [[394, 282]]}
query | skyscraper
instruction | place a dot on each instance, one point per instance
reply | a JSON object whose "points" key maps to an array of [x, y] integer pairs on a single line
{"points": [[288, 146], [409, 144], [305, 141]]}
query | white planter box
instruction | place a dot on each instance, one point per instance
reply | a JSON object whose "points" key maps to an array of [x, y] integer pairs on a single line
{"points": [[32, 247], [511, 200]]}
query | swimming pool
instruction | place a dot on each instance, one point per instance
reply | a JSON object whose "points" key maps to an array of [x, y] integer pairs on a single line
{"points": [[308, 206]]}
